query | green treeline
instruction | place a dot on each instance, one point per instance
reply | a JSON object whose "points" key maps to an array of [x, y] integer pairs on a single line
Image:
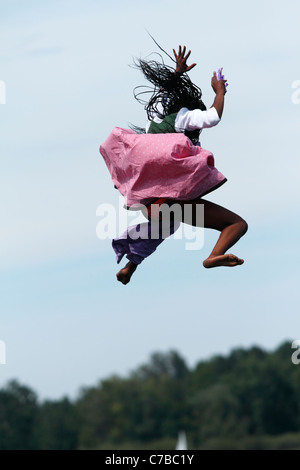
{"points": [[247, 400]]}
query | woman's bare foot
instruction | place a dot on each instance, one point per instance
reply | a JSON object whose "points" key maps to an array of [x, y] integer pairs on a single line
{"points": [[222, 260], [125, 274]]}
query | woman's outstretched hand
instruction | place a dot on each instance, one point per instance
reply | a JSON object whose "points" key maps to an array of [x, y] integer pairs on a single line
{"points": [[181, 58], [219, 86]]}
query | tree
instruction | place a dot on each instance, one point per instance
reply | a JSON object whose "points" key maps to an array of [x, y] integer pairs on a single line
{"points": [[57, 426], [18, 413]]}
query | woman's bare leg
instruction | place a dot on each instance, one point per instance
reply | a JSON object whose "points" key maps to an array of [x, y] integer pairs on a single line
{"points": [[231, 226]]}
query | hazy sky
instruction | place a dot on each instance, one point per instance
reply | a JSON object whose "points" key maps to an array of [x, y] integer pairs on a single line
{"points": [[65, 320]]}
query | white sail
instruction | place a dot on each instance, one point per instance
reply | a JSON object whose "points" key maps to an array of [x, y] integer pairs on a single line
{"points": [[182, 441]]}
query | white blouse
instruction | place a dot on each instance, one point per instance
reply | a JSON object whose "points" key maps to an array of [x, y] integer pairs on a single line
{"points": [[187, 120]]}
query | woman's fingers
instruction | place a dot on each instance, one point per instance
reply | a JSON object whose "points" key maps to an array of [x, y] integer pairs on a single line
{"points": [[190, 67], [181, 59]]}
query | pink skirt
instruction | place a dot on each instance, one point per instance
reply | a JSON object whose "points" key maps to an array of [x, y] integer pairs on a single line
{"points": [[145, 167]]}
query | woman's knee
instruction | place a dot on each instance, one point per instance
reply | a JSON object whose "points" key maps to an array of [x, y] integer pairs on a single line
{"points": [[243, 226], [238, 222]]}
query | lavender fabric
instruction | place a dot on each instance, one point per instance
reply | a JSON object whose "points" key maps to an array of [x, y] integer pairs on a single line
{"points": [[220, 76], [140, 241]]}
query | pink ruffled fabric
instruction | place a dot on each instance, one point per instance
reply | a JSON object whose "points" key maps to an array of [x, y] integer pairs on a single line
{"points": [[148, 166]]}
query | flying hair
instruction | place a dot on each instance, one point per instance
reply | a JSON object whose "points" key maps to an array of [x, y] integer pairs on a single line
{"points": [[169, 92]]}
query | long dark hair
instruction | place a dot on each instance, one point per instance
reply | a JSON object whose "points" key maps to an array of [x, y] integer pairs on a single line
{"points": [[173, 90], [170, 91]]}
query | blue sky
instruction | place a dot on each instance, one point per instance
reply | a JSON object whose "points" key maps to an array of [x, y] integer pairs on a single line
{"points": [[64, 318]]}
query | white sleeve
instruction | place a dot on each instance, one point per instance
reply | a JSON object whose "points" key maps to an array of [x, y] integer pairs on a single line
{"points": [[196, 119]]}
